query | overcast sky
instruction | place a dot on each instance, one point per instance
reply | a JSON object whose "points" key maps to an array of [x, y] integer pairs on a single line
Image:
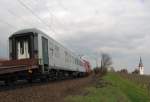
{"points": [[88, 27]]}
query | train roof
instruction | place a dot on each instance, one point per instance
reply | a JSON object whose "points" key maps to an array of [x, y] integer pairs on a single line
{"points": [[29, 30]]}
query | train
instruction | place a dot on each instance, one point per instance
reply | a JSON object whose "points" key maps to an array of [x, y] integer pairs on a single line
{"points": [[34, 55]]}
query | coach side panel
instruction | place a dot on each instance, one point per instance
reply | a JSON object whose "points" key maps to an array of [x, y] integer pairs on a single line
{"points": [[59, 57]]}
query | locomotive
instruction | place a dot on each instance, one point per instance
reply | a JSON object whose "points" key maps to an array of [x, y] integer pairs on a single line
{"points": [[35, 55]]}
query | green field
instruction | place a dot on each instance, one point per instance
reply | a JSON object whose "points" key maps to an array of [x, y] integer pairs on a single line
{"points": [[118, 90]]}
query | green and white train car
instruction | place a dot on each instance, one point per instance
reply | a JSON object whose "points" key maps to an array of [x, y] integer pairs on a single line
{"points": [[54, 60]]}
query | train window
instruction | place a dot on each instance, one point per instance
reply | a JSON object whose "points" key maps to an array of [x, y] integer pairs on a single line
{"points": [[57, 51], [66, 56], [21, 47], [51, 49], [76, 61], [79, 62], [36, 43], [10, 46], [72, 60], [69, 58]]}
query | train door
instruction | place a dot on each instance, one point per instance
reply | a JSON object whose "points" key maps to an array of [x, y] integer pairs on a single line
{"points": [[45, 53], [51, 53], [23, 49]]}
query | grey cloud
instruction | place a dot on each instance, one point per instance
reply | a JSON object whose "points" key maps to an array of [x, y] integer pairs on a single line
{"points": [[88, 27]]}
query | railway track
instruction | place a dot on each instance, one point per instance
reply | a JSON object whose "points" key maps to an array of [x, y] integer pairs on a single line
{"points": [[24, 84], [52, 91]]}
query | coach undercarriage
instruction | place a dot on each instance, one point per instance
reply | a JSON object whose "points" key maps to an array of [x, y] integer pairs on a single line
{"points": [[34, 74]]}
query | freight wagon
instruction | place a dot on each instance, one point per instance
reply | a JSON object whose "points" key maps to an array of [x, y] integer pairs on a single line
{"points": [[34, 55]]}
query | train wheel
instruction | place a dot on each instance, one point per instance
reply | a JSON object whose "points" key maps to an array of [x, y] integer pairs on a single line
{"points": [[9, 82], [44, 79], [30, 80]]}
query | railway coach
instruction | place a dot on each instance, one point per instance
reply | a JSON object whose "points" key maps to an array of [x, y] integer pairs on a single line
{"points": [[33, 54]]}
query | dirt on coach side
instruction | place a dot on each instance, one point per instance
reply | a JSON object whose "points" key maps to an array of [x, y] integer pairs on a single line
{"points": [[48, 92]]}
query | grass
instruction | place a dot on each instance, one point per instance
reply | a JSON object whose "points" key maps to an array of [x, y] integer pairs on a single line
{"points": [[120, 90]]}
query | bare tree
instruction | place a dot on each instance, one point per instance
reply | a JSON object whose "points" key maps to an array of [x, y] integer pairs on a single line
{"points": [[124, 71], [106, 61], [136, 71]]}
